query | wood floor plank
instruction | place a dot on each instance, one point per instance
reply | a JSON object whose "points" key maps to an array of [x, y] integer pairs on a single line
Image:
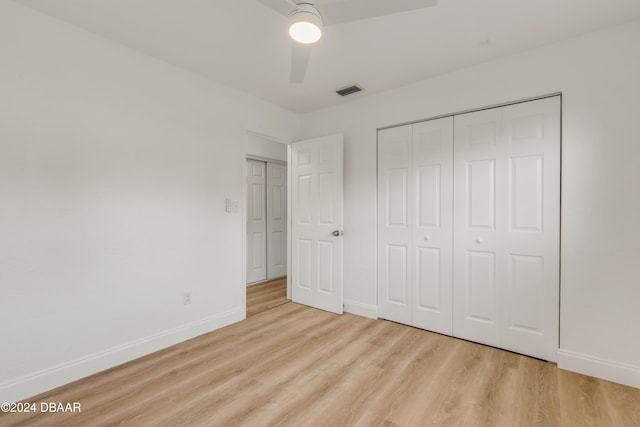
{"points": [[265, 296], [291, 365], [582, 401], [622, 403]]}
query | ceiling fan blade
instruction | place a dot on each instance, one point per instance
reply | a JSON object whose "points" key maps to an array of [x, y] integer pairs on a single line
{"points": [[283, 7], [299, 60], [338, 12]]}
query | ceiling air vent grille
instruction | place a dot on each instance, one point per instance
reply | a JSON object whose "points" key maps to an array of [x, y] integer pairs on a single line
{"points": [[348, 90]]}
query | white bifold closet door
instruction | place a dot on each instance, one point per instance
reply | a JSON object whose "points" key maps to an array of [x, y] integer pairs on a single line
{"points": [[507, 227], [266, 220], [469, 226], [256, 221], [415, 164]]}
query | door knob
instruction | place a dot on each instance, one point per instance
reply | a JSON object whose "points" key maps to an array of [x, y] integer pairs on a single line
{"points": [[479, 240], [338, 233]]}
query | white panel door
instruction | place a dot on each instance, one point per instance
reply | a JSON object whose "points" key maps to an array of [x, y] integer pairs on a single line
{"points": [[507, 227], [256, 222], [276, 220], [432, 225], [395, 258], [316, 210]]}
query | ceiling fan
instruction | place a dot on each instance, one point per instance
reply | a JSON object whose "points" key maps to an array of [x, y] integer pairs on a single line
{"points": [[307, 18]]}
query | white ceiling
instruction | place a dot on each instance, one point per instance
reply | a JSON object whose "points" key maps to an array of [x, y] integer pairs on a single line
{"points": [[244, 44]]}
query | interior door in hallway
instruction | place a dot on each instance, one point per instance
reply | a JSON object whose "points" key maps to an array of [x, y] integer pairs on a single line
{"points": [[317, 221]]}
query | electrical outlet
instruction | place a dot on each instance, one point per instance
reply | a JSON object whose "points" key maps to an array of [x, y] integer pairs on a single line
{"points": [[186, 298]]}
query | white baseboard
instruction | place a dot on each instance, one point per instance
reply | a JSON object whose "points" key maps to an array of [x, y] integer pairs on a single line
{"points": [[364, 310], [26, 386], [599, 368]]}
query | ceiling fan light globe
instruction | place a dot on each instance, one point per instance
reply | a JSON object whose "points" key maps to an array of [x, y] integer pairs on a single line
{"points": [[305, 32], [305, 24]]}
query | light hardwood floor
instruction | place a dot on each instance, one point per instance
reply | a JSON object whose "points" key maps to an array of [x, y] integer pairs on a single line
{"points": [[296, 366], [266, 296]]}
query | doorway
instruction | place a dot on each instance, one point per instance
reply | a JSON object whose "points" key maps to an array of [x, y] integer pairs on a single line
{"points": [[312, 204], [266, 220], [259, 282]]}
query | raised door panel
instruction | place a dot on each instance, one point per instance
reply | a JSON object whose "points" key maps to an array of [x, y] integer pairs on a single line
{"points": [[326, 276], [397, 209], [524, 301], [302, 266], [395, 219], [428, 280], [480, 192], [396, 279], [304, 200], [481, 303], [429, 193], [526, 204]]}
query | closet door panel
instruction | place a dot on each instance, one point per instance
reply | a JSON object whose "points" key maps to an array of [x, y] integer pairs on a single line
{"points": [[395, 207], [432, 163], [256, 222], [476, 221], [531, 138], [276, 220], [506, 222]]}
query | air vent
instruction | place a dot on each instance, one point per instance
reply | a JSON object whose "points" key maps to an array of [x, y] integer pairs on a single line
{"points": [[348, 90]]}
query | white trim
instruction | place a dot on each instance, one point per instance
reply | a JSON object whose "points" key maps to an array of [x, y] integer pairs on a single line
{"points": [[243, 235], [266, 159], [364, 310], [289, 222], [32, 384], [473, 110], [599, 368]]}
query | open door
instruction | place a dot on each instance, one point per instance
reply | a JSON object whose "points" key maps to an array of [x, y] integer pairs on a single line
{"points": [[316, 222]]}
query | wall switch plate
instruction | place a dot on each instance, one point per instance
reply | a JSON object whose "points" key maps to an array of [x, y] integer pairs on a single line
{"points": [[186, 298], [231, 206]]}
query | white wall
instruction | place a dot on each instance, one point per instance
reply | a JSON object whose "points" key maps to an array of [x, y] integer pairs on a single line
{"points": [[598, 75], [114, 168], [261, 146]]}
